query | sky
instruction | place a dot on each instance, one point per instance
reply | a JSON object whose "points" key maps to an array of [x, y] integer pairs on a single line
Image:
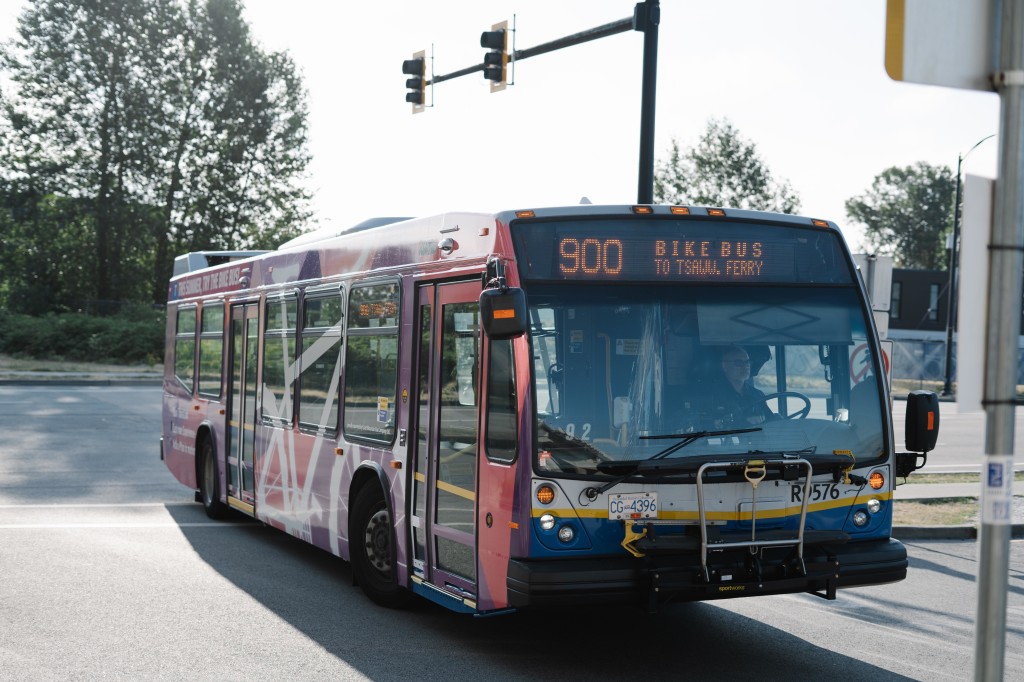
{"points": [[803, 80]]}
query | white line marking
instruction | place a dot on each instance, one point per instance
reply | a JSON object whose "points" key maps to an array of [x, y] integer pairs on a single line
{"points": [[78, 526]]}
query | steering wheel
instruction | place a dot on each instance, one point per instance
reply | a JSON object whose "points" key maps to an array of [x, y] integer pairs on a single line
{"points": [[799, 414], [555, 373]]}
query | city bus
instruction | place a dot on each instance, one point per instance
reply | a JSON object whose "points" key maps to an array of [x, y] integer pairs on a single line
{"points": [[525, 409]]}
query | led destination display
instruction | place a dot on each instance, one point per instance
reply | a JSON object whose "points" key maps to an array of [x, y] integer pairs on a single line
{"points": [[647, 250]]}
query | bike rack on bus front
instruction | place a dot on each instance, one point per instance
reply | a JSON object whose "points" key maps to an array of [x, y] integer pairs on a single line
{"points": [[754, 472]]}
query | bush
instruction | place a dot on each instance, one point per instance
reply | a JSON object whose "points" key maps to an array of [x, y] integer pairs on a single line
{"points": [[135, 335]]}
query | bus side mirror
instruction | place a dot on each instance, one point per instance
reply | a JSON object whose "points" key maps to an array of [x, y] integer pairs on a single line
{"points": [[921, 431], [503, 313]]}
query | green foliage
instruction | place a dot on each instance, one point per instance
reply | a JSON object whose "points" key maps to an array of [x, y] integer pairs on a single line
{"points": [[132, 132], [907, 214], [135, 335], [723, 169]]}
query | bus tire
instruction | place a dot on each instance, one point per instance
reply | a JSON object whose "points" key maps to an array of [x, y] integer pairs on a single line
{"points": [[373, 549], [209, 481]]}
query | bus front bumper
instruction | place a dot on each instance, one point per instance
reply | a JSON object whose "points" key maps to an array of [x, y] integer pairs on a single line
{"points": [[656, 579]]}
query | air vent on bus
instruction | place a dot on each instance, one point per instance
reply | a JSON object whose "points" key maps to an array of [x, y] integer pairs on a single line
{"points": [[200, 260], [331, 232]]}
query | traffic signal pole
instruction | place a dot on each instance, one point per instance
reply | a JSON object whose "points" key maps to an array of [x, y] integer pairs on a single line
{"points": [[646, 18], [1006, 260]]}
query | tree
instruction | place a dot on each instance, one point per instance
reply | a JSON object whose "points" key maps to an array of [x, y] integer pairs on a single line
{"points": [[907, 214], [723, 169], [165, 118]]}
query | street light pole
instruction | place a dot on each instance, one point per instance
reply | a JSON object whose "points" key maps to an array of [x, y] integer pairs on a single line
{"points": [[947, 386]]}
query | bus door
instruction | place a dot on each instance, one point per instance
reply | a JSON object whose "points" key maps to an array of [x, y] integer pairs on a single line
{"points": [[446, 443], [241, 426]]}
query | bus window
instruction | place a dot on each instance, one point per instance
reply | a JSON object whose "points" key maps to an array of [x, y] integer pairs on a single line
{"points": [[613, 367], [371, 361], [185, 347], [321, 359], [211, 349], [278, 359]]}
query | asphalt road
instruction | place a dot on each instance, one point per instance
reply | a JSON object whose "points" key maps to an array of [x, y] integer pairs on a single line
{"points": [[108, 570]]}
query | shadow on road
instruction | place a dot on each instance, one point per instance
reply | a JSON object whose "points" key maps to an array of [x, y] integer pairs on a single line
{"points": [[313, 592]]}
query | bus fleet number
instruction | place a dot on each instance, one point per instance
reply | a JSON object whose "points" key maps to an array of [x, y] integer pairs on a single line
{"points": [[819, 492]]}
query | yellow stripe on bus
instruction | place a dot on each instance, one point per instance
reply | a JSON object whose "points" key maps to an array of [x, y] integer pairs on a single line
{"points": [[241, 506], [448, 487], [455, 490], [792, 510]]}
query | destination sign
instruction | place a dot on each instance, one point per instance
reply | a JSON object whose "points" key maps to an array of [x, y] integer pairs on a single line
{"points": [[679, 250]]}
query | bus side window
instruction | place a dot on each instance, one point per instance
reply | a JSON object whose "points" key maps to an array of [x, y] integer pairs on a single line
{"points": [[320, 359], [211, 349], [278, 359], [371, 361], [185, 347]]}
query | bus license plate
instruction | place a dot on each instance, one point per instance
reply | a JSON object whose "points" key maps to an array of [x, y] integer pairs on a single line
{"points": [[623, 506]]}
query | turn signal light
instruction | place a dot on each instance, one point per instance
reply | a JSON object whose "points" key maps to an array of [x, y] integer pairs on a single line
{"points": [[545, 494], [876, 480]]}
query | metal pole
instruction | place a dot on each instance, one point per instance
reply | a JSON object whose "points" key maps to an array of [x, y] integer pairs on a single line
{"points": [[947, 386], [1006, 259], [954, 263], [646, 17]]}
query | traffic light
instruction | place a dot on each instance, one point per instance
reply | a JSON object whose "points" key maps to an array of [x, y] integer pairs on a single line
{"points": [[496, 59], [417, 68]]}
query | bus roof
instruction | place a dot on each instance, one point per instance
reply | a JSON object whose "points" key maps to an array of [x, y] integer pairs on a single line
{"points": [[381, 244]]}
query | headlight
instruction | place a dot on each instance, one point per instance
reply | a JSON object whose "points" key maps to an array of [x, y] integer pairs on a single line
{"points": [[566, 534], [860, 518], [547, 522], [874, 505]]}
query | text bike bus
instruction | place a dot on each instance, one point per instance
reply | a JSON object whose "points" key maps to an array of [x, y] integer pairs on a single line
{"points": [[524, 409]]}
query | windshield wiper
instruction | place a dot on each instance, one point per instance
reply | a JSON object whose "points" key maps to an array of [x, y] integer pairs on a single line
{"points": [[688, 438], [635, 467]]}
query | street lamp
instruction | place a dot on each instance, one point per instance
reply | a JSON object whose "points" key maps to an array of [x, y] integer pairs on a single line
{"points": [[947, 388]]}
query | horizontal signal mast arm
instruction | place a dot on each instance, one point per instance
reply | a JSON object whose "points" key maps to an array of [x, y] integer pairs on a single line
{"points": [[620, 26]]}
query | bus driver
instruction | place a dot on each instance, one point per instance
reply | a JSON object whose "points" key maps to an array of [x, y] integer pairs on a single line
{"points": [[736, 401]]}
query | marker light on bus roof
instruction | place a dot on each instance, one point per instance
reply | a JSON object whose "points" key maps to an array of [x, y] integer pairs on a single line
{"points": [[525, 214], [643, 210], [818, 223], [717, 212], [679, 210]]}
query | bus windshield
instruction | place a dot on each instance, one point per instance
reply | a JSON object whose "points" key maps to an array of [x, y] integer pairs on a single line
{"points": [[620, 369]]}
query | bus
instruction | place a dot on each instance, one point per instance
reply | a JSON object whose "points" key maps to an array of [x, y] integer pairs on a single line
{"points": [[525, 409]]}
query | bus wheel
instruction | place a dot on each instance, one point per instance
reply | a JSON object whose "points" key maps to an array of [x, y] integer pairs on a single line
{"points": [[373, 549], [209, 482]]}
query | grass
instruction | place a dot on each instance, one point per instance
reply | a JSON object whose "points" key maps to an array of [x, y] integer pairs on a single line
{"points": [[953, 511], [953, 478]]}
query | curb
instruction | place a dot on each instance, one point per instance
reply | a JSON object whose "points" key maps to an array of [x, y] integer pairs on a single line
{"points": [[82, 382], [961, 532], [80, 379]]}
